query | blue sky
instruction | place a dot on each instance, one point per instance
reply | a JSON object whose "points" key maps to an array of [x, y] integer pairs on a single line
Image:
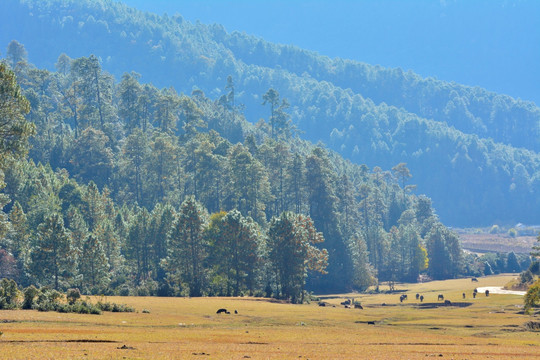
{"points": [[489, 43]]}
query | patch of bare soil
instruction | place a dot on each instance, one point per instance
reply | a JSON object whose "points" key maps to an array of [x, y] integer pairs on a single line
{"points": [[482, 243], [500, 290]]}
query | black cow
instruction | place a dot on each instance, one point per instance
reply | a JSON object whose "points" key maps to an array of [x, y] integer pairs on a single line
{"points": [[421, 298], [447, 302], [474, 280], [222, 311], [463, 295], [487, 292], [440, 297], [474, 294], [417, 296], [402, 297]]}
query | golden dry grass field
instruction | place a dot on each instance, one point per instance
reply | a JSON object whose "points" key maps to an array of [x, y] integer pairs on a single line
{"points": [[189, 328]]}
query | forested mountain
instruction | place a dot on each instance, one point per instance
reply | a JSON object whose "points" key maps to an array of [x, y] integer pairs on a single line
{"points": [[133, 189], [474, 152]]}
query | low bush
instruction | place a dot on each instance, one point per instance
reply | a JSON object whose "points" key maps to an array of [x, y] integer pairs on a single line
{"points": [[30, 294], [9, 295], [532, 325], [46, 299], [73, 295], [112, 307]]}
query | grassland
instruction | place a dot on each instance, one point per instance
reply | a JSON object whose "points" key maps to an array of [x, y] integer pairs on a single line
{"points": [[189, 328]]}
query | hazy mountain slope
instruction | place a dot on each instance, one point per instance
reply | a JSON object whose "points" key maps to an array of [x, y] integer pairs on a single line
{"points": [[343, 103], [469, 109]]}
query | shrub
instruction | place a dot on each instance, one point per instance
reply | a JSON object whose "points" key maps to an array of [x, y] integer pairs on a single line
{"points": [[532, 325], [30, 294], [48, 300], [532, 297], [9, 294], [112, 307], [73, 295]]}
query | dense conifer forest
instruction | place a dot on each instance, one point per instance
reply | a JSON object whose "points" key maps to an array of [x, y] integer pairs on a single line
{"points": [[132, 189], [215, 181], [475, 153]]}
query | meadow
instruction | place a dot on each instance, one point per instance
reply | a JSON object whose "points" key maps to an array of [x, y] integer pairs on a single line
{"points": [[189, 328]]}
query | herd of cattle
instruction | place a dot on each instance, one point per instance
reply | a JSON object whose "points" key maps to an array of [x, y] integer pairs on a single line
{"points": [[350, 303], [440, 297]]}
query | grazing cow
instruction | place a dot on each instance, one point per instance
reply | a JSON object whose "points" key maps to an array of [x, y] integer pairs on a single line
{"points": [[221, 311], [421, 298], [358, 306], [417, 296], [402, 297], [322, 303], [474, 280], [487, 292], [440, 297], [346, 302], [236, 311], [447, 302], [463, 295]]}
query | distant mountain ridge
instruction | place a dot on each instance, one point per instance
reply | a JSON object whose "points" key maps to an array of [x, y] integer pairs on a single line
{"points": [[474, 152]]}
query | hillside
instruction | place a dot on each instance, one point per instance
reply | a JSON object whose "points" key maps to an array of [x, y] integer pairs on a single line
{"points": [[475, 153], [131, 189]]}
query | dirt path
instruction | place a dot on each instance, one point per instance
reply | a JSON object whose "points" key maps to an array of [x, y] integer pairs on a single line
{"points": [[500, 290]]}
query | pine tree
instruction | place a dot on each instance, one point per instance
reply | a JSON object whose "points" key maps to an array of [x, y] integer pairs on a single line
{"points": [[291, 240], [93, 265], [322, 202], [52, 257], [136, 152], [161, 224], [14, 128], [19, 236], [362, 273], [235, 249], [95, 90], [129, 92], [138, 245], [187, 246]]}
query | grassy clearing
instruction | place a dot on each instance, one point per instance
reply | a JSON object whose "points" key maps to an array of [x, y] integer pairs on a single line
{"points": [[191, 329]]}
